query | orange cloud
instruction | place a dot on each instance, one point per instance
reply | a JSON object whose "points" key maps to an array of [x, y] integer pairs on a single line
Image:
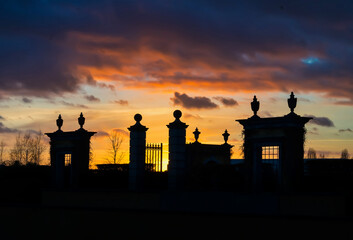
{"points": [[151, 62]]}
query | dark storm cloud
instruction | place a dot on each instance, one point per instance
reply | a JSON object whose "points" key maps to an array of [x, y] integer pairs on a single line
{"points": [[51, 47], [34, 57], [34, 66], [321, 121], [193, 102]]}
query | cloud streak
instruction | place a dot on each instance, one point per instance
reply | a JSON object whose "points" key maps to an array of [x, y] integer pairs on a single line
{"points": [[321, 121], [121, 131], [92, 98], [122, 102], [228, 102], [347, 130], [4, 129], [26, 100], [74, 105]]}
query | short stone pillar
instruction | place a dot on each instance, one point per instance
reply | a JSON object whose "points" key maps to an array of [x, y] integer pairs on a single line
{"points": [[137, 154], [177, 160], [70, 155]]}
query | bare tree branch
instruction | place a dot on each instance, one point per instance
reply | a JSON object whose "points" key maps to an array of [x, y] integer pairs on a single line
{"points": [[114, 151], [28, 149], [2, 151]]}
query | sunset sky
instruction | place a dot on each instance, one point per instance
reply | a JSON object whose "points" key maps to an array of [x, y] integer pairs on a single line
{"points": [[113, 59]]}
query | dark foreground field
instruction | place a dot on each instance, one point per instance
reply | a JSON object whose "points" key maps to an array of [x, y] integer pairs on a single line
{"points": [[30, 222]]}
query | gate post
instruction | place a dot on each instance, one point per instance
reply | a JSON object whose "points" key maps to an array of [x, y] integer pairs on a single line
{"points": [[137, 154], [177, 149]]}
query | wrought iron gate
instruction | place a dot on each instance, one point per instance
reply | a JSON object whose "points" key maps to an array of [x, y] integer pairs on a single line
{"points": [[154, 157]]}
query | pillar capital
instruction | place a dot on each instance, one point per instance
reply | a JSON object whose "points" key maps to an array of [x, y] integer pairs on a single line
{"points": [[138, 127], [177, 123]]}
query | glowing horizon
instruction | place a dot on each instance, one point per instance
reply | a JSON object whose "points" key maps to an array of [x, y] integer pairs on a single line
{"points": [[113, 59]]}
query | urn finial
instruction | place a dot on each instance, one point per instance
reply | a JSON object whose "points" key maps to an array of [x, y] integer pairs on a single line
{"points": [[255, 105], [196, 134], [225, 136], [59, 122], [292, 102], [81, 120]]}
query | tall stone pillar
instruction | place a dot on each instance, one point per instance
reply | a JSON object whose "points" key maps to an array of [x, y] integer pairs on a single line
{"points": [[137, 154], [177, 159]]}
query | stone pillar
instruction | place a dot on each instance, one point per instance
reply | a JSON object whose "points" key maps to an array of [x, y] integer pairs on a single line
{"points": [[177, 159], [77, 145], [137, 154]]}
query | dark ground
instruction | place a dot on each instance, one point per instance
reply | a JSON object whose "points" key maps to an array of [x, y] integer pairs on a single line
{"points": [[22, 216], [31, 222]]}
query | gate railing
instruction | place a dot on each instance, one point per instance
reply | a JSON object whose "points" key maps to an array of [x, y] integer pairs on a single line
{"points": [[154, 157]]}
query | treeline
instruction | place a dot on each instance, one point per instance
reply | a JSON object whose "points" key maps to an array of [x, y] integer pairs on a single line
{"points": [[311, 154], [27, 149]]}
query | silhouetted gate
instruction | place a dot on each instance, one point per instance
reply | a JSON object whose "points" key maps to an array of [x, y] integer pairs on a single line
{"points": [[154, 157]]}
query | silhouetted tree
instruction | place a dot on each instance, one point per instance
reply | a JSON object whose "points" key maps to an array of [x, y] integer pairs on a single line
{"points": [[115, 140], [37, 147], [17, 151], [27, 149], [91, 155], [311, 153], [2, 151], [344, 154]]}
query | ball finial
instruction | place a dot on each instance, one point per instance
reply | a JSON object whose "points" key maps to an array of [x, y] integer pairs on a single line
{"points": [[177, 114], [138, 117]]}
